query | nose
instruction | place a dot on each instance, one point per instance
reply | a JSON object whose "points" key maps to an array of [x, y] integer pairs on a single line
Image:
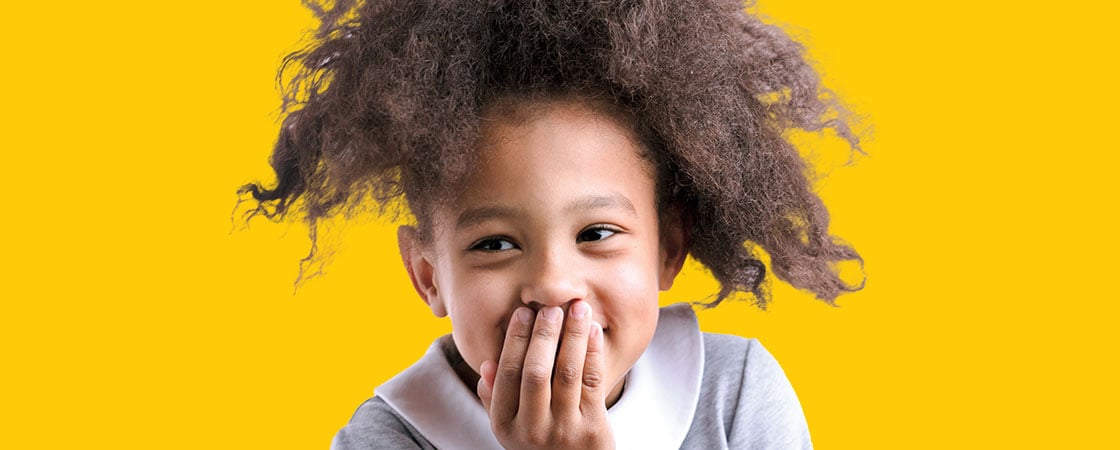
{"points": [[552, 278]]}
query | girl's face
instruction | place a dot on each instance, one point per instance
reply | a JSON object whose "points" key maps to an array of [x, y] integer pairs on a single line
{"points": [[562, 208]]}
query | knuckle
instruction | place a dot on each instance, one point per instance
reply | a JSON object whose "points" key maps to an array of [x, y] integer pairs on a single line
{"points": [[536, 374], [509, 373], [544, 331], [503, 431], [520, 332], [568, 375], [537, 438], [592, 380], [560, 438], [576, 332]]}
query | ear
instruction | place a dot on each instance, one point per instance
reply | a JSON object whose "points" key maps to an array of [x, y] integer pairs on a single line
{"points": [[675, 229], [420, 269]]}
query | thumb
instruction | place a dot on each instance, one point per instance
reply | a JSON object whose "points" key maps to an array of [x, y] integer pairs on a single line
{"points": [[486, 383]]}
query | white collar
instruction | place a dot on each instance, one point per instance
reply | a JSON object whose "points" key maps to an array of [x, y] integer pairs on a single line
{"points": [[655, 410]]}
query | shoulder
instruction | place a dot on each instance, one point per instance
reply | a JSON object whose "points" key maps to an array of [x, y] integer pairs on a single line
{"points": [[730, 362], [724, 374], [725, 351], [746, 397], [743, 360], [376, 425]]}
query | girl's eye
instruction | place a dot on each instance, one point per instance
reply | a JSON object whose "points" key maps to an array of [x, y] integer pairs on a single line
{"points": [[493, 244], [595, 234]]}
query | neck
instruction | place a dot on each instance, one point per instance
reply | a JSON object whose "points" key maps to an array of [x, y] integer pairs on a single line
{"points": [[616, 392]]}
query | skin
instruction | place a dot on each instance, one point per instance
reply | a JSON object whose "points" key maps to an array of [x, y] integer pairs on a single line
{"points": [[549, 266]]}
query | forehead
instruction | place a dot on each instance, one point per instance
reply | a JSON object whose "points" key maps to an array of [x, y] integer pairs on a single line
{"points": [[577, 138], [557, 154]]}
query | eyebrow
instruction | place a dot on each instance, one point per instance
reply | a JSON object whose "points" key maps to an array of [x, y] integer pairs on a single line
{"points": [[613, 201], [475, 216]]}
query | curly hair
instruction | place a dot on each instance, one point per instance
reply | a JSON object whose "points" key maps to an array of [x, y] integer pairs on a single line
{"points": [[385, 104]]}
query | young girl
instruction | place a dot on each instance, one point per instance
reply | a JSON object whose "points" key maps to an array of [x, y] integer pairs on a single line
{"points": [[561, 160]]}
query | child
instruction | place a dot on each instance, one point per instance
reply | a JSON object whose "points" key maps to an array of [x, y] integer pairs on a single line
{"points": [[561, 160]]}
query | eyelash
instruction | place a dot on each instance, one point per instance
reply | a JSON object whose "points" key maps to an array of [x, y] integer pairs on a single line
{"points": [[610, 229], [479, 244]]}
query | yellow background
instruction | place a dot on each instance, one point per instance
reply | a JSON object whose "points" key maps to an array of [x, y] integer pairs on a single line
{"points": [[133, 318]]}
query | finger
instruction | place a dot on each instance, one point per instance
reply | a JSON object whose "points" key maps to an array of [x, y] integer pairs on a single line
{"points": [[567, 383], [536, 377], [507, 379], [486, 383], [594, 390]]}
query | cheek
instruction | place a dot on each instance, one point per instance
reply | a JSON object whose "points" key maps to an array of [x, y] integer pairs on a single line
{"points": [[628, 299], [630, 284], [479, 313], [628, 287], [477, 335]]}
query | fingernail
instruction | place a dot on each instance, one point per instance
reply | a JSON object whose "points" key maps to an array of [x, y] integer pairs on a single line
{"points": [[579, 310], [524, 315], [596, 329], [551, 313]]}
